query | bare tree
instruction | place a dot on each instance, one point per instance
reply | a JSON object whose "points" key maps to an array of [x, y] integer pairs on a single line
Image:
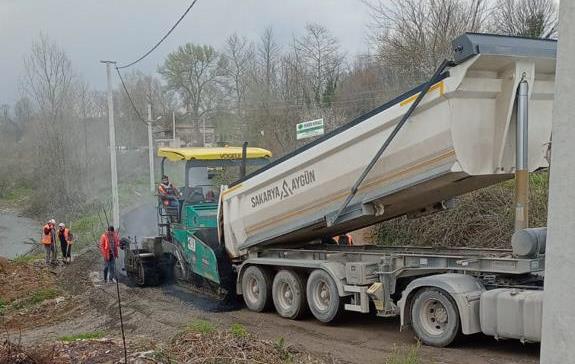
{"points": [[527, 18], [319, 54], [414, 36], [239, 55], [49, 81], [48, 77], [23, 111], [240, 66]]}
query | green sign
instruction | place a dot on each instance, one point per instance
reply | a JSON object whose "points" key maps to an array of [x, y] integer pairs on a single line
{"points": [[309, 129]]}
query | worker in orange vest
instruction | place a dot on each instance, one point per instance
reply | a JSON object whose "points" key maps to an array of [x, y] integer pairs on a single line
{"points": [[344, 239], [109, 242], [65, 237], [167, 192], [49, 241]]}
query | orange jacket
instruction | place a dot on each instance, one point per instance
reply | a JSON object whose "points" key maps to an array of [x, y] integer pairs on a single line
{"points": [[67, 235], [168, 190], [47, 234], [105, 245], [349, 239]]}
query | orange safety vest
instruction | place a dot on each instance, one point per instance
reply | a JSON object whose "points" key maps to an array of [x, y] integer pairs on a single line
{"points": [[166, 189], [67, 234], [105, 245], [46, 238], [349, 239]]}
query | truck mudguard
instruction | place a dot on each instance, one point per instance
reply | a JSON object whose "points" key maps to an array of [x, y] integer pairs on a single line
{"points": [[464, 289]]}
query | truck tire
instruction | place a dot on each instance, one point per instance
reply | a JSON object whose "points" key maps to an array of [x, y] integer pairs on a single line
{"points": [[257, 288], [322, 296], [288, 292], [435, 317]]}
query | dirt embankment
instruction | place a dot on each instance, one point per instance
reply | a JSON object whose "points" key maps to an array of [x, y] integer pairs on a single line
{"points": [[172, 323]]}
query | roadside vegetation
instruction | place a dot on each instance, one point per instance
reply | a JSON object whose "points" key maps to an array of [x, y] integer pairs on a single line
{"points": [[201, 342], [482, 218], [83, 336], [405, 355]]}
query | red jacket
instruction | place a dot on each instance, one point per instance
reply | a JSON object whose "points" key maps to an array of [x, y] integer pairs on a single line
{"points": [[105, 245]]}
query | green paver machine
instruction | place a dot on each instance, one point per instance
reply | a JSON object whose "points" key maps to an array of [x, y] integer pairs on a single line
{"points": [[187, 247]]}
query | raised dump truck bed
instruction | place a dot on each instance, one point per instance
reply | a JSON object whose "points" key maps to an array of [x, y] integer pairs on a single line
{"points": [[460, 138], [470, 130]]}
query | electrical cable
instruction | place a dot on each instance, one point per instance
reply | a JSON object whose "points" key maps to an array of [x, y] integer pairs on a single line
{"points": [[130, 98], [163, 38], [118, 293]]}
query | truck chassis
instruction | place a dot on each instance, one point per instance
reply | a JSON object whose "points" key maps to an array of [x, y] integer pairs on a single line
{"points": [[439, 291]]}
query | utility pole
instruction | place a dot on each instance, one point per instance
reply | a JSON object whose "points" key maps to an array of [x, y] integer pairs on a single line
{"points": [[558, 334], [113, 168], [204, 127], [174, 128], [151, 148]]}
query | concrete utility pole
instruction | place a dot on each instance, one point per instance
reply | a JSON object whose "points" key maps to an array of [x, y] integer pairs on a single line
{"points": [[151, 149], [204, 130], [558, 336], [113, 168], [174, 128]]}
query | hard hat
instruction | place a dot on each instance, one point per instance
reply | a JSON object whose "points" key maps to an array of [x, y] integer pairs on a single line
{"points": [[52, 221], [61, 225]]}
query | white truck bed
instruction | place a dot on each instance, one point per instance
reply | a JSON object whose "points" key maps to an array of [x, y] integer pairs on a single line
{"points": [[460, 138]]}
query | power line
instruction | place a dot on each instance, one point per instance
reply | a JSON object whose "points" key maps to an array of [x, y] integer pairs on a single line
{"points": [[130, 98], [163, 38]]}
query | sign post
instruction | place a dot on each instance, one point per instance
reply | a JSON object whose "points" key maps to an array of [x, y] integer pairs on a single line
{"points": [[308, 129]]}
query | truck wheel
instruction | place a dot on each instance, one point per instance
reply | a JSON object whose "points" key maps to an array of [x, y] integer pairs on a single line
{"points": [[322, 296], [256, 288], [288, 294], [435, 317]]}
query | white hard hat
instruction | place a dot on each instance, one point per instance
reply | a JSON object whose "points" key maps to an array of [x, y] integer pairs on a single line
{"points": [[52, 221], [61, 225]]}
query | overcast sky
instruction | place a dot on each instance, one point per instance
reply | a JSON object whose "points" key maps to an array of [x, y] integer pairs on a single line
{"points": [[123, 29]]}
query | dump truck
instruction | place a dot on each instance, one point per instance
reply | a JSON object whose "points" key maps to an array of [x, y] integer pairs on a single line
{"points": [[482, 118]]}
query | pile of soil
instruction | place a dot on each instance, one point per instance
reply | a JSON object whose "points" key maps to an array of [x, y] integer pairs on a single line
{"points": [[80, 351], [19, 280]]}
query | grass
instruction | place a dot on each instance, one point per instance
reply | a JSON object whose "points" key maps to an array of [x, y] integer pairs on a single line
{"points": [[36, 297], [201, 327], [281, 347], [83, 336], [86, 228], [405, 355], [43, 295], [238, 330], [26, 258], [16, 193], [2, 306]]}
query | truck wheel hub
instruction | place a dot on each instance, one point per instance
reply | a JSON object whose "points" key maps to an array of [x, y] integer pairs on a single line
{"points": [[434, 317]]}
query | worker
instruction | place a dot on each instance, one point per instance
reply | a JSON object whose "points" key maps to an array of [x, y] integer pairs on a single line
{"points": [[210, 196], [49, 241], [65, 237], [344, 240], [109, 242], [168, 193]]}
